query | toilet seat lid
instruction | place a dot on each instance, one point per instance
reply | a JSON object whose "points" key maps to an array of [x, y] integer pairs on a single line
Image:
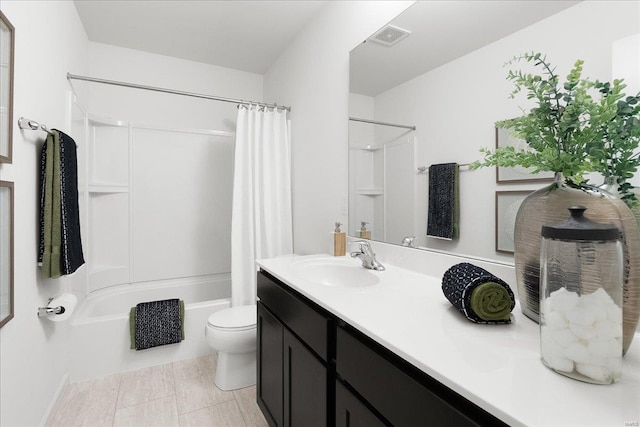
{"points": [[243, 317]]}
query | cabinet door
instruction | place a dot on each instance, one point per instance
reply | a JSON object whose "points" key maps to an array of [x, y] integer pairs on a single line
{"points": [[305, 385], [350, 412], [270, 385]]}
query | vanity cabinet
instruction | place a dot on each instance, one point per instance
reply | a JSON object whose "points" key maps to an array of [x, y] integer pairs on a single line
{"points": [[400, 394], [292, 379], [351, 412], [316, 370]]}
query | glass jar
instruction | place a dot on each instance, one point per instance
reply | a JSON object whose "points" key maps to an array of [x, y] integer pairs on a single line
{"points": [[581, 299]]}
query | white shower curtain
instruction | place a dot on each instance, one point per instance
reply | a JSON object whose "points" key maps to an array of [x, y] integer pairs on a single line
{"points": [[261, 225]]}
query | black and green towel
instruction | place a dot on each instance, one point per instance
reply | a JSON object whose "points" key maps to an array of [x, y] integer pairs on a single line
{"points": [[478, 294], [156, 323], [60, 249], [443, 209]]}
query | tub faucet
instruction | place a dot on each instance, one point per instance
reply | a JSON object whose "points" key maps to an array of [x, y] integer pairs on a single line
{"points": [[367, 256], [408, 241]]}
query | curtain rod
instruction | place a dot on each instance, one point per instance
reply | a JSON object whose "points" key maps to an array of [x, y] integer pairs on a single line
{"points": [[355, 119], [175, 92]]}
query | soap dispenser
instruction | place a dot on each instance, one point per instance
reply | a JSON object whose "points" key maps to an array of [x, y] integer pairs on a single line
{"points": [[338, 241], [363, 233]]}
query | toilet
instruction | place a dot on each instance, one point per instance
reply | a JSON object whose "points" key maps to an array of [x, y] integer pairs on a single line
{"points": [[232, 332]]}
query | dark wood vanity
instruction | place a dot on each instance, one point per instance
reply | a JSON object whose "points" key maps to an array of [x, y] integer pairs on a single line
{"points": [[316, 370]]}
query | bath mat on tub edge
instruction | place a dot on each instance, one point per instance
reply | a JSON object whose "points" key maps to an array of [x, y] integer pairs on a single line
{"points": [[170, 306]]}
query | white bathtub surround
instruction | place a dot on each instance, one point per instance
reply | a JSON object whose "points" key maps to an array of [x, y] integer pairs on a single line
{"points": [[261, 224], [99, 333], [497, 367]]}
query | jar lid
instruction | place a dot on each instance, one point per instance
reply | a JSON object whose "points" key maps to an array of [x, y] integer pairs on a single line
{"points": [[579, 227]]}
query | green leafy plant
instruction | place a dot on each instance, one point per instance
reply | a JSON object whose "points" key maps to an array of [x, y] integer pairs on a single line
{"points": [[557, 129], [569, 131], [613, 152]]}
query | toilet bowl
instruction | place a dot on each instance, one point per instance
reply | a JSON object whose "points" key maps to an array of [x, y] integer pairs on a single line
{"points": [[232, 332]]}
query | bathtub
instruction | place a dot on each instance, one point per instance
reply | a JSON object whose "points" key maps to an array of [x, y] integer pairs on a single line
{"points": [[99, 329]]}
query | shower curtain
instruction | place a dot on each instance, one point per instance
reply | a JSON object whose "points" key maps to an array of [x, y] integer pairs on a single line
{"points": [[261, 224]]}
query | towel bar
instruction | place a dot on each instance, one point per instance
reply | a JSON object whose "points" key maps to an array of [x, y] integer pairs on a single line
{"points": [[423, 169]]}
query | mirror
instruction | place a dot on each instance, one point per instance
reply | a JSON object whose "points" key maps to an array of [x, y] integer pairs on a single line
{"points": [[6, 89], [447, 78], [6, 252]]}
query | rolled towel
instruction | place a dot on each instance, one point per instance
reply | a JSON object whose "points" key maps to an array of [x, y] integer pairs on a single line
{"points": [[478, 294]]}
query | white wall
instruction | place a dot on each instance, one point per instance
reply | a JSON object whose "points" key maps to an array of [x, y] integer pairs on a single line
{"points": [[312, 76], [50, 41], [455, 107], [133, 66]]}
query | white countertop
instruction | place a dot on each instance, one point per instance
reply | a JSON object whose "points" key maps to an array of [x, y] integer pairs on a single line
{"points": [[497, 367]]}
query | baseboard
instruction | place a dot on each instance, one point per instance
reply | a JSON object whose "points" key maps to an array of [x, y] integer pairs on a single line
{"points": [[54, 400]]}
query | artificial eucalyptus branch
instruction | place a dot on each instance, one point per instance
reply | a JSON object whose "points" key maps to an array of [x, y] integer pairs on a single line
{"points": [[569, 131], [555, 129], [614, 152]]}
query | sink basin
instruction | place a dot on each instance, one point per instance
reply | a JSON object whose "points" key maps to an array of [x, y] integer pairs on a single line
{"points": [[336, 272]]}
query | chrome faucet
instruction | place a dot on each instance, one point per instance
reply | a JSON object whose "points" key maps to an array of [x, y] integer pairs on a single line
{"points": [[408, 241], [367, 256]]}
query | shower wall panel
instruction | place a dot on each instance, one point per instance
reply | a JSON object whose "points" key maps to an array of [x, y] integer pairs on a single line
{"points": [[182, 187]]}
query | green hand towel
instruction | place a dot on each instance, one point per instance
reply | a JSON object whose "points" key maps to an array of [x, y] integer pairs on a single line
{"points": [[478, 294], [48, 205], [491, 301], [51, 261], [56, 218]]}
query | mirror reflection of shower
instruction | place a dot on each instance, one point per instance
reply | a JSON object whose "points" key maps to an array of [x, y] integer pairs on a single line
{"points": [[382, 173]]}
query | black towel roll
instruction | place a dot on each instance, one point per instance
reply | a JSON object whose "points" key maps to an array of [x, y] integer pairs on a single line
{"points": [[478, 294]]}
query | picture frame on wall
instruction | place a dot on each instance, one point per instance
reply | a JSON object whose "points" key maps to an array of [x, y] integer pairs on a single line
{"points": [[7, 46], [6, 252], [507, 204], [516, 174]]}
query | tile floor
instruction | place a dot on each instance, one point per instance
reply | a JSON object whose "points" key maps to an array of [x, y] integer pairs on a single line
{"points": [[178, 394]]}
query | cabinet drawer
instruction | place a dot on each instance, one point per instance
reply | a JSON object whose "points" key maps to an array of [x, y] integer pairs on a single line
{"points": [[399, 393], [298, 315]]}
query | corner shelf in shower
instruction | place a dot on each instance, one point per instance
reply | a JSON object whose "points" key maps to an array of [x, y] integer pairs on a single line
{"points": [[372, 192], [108, 189]]}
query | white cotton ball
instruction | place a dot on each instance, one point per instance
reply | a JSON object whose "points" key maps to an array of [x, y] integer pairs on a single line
{"points": [[548, 345], [563, 300], [554, 320], [553, 353], [545, 306], [604, 348], [598, 373], [578, 353], [615, 364], [614, 313], [564, 337], [601, 296], [606, 329], [598, 311], [558, 363], [584, 332], [580, 316]]}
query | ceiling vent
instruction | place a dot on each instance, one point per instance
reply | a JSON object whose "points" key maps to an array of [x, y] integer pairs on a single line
{"points": [[389, 35]]}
